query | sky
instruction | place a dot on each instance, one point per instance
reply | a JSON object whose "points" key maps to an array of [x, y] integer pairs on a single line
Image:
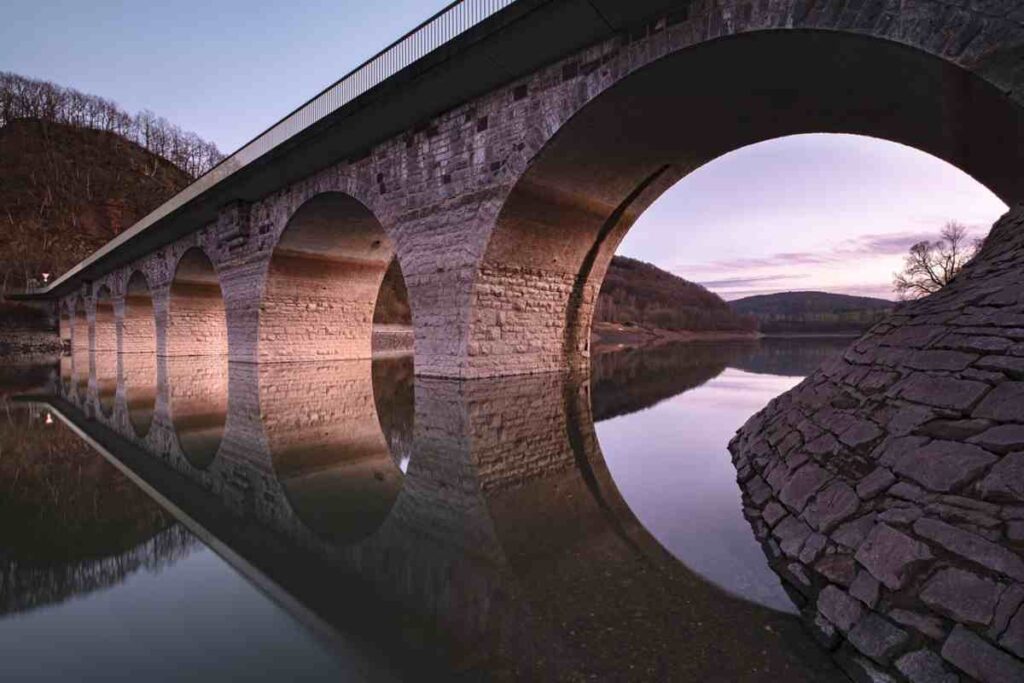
{"points": [[826, 212]]}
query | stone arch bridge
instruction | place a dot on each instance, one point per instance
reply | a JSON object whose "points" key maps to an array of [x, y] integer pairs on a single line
{"points": [[501, 151]]}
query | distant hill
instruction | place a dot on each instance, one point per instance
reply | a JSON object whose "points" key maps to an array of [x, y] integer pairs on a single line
{"points": [[641, 294], [66, 191], [813, 312]]}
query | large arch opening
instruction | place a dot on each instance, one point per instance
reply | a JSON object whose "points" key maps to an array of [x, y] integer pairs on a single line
{"points": [[105, 323], [80, 329], [138, 331], [196, 316], [562, 221], [198, 393], [339, 435], [323, 283]]}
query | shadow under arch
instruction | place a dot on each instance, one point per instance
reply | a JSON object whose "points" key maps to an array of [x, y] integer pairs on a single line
{"points": [[581, 192], [323, 282], [196, 314], [335, 431]]}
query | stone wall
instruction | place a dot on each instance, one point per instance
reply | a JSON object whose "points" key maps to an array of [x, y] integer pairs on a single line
{"points": [[888, 487]]}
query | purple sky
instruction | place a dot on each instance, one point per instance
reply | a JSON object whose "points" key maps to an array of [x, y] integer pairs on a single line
{"points": [[828, 212]]}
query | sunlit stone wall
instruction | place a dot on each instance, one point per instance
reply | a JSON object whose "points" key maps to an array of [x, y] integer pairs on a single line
{"points": [[888, 487]]}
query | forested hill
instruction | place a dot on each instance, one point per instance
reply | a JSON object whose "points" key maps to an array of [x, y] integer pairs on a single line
{"points": [[813, 312], [75, 170], [641, 294]]}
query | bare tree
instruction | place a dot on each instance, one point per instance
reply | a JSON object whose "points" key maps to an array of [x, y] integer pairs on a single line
{"points": [[931, 265]]}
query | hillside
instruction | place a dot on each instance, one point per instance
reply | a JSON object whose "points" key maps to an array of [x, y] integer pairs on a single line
{"points": [[66, 191], [813, 312], [639, 294]]}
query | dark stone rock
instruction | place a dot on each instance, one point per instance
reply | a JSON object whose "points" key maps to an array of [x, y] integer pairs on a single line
{"points": [[908, 492], [839, 608], [1005, 403], [1015, 531], [876, 637], [860, 433], [903, 515], [832, 505], [975, 343], [892, 449], [839, 568], [1009, 602], [943, 392], [939, 359], [908, 418], [975, 656], [971, 547], [891, 556], [772, 513], [876, 482], [865, 588], [962, 595], [758, 491], [813, 546], [1011, 366], [852, 533], [824, 631], [823, 445], [953, 514], [925, 624], [1006, 479], [953, 430], [804, 483], [791, 534], [944, 465], [1013, 638], [924, 666], [1001, 439]]}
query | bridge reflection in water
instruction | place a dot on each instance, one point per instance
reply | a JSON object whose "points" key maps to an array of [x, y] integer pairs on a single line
{"points": [[468, 526]]}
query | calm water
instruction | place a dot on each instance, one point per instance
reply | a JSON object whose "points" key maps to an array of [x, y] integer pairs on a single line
{"points": [[195, 520]]}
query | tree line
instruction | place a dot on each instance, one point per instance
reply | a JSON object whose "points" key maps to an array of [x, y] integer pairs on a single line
{"points": [[27, 98]]}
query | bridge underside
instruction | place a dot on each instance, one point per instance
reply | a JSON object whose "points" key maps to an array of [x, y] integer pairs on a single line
{"points": [[503, 214]]}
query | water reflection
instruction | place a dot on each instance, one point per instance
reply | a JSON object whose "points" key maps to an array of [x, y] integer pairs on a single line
{"points": [[327, 445], [105, 368], [525, 527], [138, 377], [198, 399]]}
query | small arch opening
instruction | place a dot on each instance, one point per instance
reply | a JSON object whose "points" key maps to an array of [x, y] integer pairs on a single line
{"points": [[324, 281], [196, 316], [105, 323]]}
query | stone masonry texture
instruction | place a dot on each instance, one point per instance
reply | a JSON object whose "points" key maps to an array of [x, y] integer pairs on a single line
{"points": [[926, 580]]}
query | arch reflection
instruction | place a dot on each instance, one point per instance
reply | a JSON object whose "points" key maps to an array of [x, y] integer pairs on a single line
{"points": [[198, 393], [139, 380], [105, 366], [327, 443]]}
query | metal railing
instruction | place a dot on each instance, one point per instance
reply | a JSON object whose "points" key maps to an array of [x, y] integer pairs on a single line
{"points": [[451, 21]]}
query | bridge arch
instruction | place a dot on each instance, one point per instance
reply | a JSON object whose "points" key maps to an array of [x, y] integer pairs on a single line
{"points": [[323, 282], [612, 149], [80, 328], [105, 322], [196, 315], [138, 328], [65, 312]]}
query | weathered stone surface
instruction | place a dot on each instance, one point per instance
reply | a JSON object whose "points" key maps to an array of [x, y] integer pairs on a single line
{"points": [[838, 568], [851, 534], [944, 392], [879, 480], [924, 666], [975, 656], [839, 608], [939, 359], [812, 548], [943, 465], [1009, 602], [962, 595], [865, 588], [791, 534], [876, 637], [802, 485], [1005, 403], [891, 556], [758, 491], [832, 505], [971, 547], [1006, 479], [1001, 439], [954, 430], [1013, 637], [1010, 366], [923, 623], [894, 448], [773, 512]]}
